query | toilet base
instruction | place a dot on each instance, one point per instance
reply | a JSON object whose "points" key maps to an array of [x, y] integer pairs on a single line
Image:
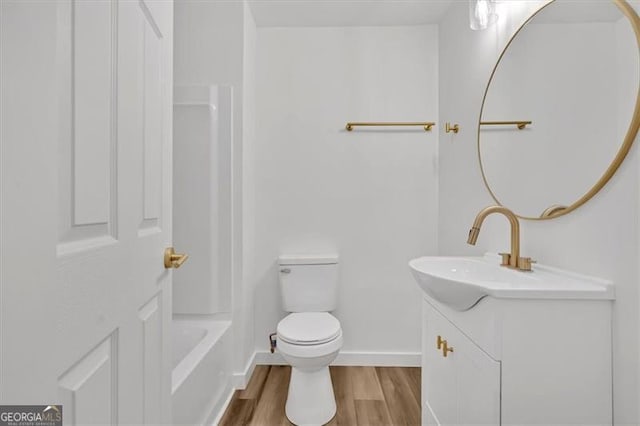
{"points": [[310, 400]]}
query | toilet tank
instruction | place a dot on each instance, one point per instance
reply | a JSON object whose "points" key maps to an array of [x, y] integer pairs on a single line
{"points": [[309, 283]]}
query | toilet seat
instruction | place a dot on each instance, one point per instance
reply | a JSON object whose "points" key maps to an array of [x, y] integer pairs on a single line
{"points": [[311, 353], [309, 328]]}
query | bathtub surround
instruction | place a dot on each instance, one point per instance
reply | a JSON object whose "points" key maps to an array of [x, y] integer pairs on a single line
{"points": [[214, 46], [601, 238], [202, 198], [201, 337]]}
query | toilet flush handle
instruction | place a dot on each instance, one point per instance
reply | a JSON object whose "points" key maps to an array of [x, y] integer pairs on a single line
{"points": [[285, 270]]}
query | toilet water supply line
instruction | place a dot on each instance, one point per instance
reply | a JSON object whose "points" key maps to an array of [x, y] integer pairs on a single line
{"points": [[272, 342]]}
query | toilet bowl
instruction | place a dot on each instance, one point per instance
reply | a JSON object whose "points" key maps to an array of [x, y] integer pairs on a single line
{"points": [[309, 342]]}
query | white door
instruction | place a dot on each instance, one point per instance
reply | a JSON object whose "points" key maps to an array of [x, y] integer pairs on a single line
{"points": [[86, 179]]}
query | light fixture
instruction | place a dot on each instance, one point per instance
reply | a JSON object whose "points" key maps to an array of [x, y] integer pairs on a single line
{"points": [[482, 14]]}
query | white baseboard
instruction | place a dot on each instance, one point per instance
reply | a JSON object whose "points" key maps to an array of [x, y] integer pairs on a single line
{"points": [[241, 380], [366, 359], [267, 358], [379, 359]]}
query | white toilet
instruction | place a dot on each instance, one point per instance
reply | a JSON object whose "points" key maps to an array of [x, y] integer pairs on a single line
{"points": [[309, 338]]}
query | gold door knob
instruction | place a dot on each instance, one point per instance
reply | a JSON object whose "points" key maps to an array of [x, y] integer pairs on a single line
{"points": [[445, 348], [439, 342], [173, 259]]}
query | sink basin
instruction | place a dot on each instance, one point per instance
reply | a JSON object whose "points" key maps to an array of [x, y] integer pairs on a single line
{"points": [[461, 282]]}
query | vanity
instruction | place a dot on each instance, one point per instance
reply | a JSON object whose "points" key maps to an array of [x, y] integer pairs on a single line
{"points": [[506, 347], [506, 341]]}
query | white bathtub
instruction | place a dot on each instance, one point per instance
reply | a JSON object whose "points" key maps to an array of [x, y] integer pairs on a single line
{"points": [[201, 377]]}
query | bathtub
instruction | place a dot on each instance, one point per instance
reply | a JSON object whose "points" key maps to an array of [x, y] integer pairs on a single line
{"points": [[201, 376]]}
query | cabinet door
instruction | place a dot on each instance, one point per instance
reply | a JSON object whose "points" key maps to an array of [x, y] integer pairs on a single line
{"points": [[438, 373], [464, 386], [477, 382]]}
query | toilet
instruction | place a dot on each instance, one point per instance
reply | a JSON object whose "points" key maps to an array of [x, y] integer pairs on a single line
{"points": [[309, 338]]}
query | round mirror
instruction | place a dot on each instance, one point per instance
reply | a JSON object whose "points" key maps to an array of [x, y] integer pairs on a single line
{"points": [[561, 109]]}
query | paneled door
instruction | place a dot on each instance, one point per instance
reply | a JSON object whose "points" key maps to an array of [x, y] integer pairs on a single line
{"points": [[101, 169]]}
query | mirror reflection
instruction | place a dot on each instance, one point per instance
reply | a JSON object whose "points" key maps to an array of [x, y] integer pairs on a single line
{"points": [[566, 84]]}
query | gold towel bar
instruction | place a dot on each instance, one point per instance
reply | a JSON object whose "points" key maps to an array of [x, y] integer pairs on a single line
{"points": [[427, 125], [520, 124]]}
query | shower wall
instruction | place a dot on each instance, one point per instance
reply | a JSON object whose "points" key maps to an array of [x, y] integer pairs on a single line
{"points": [[202, 198]]}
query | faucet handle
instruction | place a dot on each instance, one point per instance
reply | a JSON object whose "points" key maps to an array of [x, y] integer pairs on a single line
{"points": [[524, 263], [506, 257]]}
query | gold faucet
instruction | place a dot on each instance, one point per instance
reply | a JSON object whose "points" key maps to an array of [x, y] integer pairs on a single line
{"points": [[511, 260]]}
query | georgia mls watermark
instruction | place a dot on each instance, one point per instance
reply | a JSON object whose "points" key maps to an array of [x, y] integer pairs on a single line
{"points": [[30, 415]]}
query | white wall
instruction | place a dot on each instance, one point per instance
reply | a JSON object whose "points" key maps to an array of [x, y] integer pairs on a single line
{"points": [[370, 196], [248, 180], [600, 238], [29, 140]]}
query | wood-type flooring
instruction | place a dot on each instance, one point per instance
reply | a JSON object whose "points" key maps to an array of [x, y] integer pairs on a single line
{"points": [[382, 396]]}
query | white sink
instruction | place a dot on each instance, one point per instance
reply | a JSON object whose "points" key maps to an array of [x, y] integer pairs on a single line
{"points": [[461, 282]]}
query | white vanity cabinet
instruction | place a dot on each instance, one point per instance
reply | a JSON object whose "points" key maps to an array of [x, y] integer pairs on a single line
{"points": [[462, 387], [517, 361]]}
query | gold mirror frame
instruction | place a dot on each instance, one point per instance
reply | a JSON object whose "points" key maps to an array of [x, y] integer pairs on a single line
{"points": [[555, 211]]}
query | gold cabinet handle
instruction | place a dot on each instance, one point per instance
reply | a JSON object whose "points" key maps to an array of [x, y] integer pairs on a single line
{"points": [[446, 349], [439, 342], [173, 259]]}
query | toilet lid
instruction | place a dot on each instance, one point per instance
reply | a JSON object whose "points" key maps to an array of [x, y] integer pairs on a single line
{"points": [[309, 328]]}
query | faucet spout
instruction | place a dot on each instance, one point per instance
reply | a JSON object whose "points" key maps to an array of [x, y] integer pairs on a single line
{"points": [[515, 261], [473, 235]]}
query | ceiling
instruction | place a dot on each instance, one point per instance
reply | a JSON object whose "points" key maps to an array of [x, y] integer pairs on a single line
{"points": [[330, 13]]}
